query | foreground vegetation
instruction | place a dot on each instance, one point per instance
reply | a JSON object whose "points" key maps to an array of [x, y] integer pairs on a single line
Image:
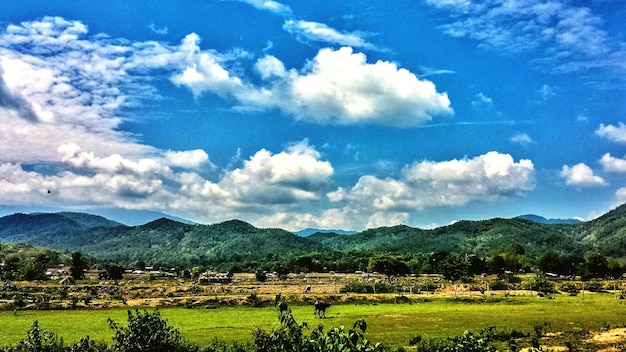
{"points": [[419, 320]]}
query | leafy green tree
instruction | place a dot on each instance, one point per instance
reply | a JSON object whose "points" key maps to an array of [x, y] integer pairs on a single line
{"points": [[148, 332], [388, 265], [453, 266], [31, 269], [78, 266], [115, 272], [596, 266], [551, 262]]}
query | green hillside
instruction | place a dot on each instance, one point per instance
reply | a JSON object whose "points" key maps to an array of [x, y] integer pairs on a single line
{"points": [[236, 242]]}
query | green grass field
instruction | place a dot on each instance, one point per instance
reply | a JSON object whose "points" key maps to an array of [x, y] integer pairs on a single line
{"points": [[392, 324]]}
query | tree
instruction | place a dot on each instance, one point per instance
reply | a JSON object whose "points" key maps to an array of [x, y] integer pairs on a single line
{"points": [[596, 266], [147, 332], [78, 266], [115, 272], [388, 265], [551, 262], [454, 266], [31, 269]]}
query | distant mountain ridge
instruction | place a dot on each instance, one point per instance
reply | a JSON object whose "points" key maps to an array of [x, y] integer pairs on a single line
{"points": [[234, 242], [542, 220], [310, 231]]}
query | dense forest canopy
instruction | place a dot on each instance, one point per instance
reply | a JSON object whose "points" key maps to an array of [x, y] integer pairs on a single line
{"points": [[514, 244]]}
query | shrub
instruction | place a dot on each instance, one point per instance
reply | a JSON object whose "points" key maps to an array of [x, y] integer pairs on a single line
{"points": [[594, 286], [8, 286], [570, 288], [147, 332], [362, 287], [290, 337], [38, 340]]}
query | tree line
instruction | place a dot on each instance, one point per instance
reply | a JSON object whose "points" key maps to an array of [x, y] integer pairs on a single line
{"points": [[25, 262]]}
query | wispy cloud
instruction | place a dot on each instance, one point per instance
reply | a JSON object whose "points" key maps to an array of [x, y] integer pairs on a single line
{"points": [[315, 31], [270, 5], [564, 37], [158, 30], [522, 139]]}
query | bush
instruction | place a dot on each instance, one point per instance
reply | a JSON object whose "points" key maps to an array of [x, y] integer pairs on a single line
{"points": [[8, 286], [468, 342], [362, 287], [290, 337], [38, 340], [594, 286], [147, 332], [570, 288]]}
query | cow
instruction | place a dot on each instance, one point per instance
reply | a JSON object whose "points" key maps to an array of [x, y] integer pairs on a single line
{"points": [[320, 308]]}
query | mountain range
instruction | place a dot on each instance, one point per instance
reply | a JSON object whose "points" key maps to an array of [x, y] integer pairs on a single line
{"points": [[177, 243]]}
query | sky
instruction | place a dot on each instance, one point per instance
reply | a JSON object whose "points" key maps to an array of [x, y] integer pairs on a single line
{"points": [[325, 114]]}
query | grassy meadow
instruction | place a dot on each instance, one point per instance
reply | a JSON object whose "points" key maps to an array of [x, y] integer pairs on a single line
{"points": [[392, 324]]}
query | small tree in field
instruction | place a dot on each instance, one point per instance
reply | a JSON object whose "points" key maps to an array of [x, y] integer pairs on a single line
{"points": [[78, 266], [148, 332]]}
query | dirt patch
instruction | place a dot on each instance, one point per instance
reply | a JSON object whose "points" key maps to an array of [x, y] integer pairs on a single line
{"points": [[608, 337]]}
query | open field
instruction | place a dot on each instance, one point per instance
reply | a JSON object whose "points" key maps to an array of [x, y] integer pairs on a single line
{"points": [[390, 323]]}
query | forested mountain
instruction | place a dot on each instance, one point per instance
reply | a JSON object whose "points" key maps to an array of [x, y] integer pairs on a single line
{"points": [[542, 220], [175, 243]]}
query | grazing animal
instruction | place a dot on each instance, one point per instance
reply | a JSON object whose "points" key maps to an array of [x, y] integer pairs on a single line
{"points": [[320, 308], [307, 289]]}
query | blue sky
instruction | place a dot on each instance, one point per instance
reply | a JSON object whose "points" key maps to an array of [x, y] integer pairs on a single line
{"points": [[325, 114]]}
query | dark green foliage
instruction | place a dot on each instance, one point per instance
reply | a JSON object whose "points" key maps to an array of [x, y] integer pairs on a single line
{"points": [[364, 287], [114, 272], [468, 342], [38, 340], [147, 332], [462, 249], [291, 336], [388, 265], [78, 266]]}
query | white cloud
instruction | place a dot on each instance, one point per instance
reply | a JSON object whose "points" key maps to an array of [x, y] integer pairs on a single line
{"points": [[203, 71], [482, 102], [190, 159], [522, 139], [581, 175], [321, 32], [270, 5], [620, 196], [158, 30], [612, 133], [376, 202], [289, 176], [336, 87], [612, 164], [340, 87], [270, 67]]}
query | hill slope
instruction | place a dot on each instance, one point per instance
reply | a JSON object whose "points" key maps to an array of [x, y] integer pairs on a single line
{"points": [[175, 243]]}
